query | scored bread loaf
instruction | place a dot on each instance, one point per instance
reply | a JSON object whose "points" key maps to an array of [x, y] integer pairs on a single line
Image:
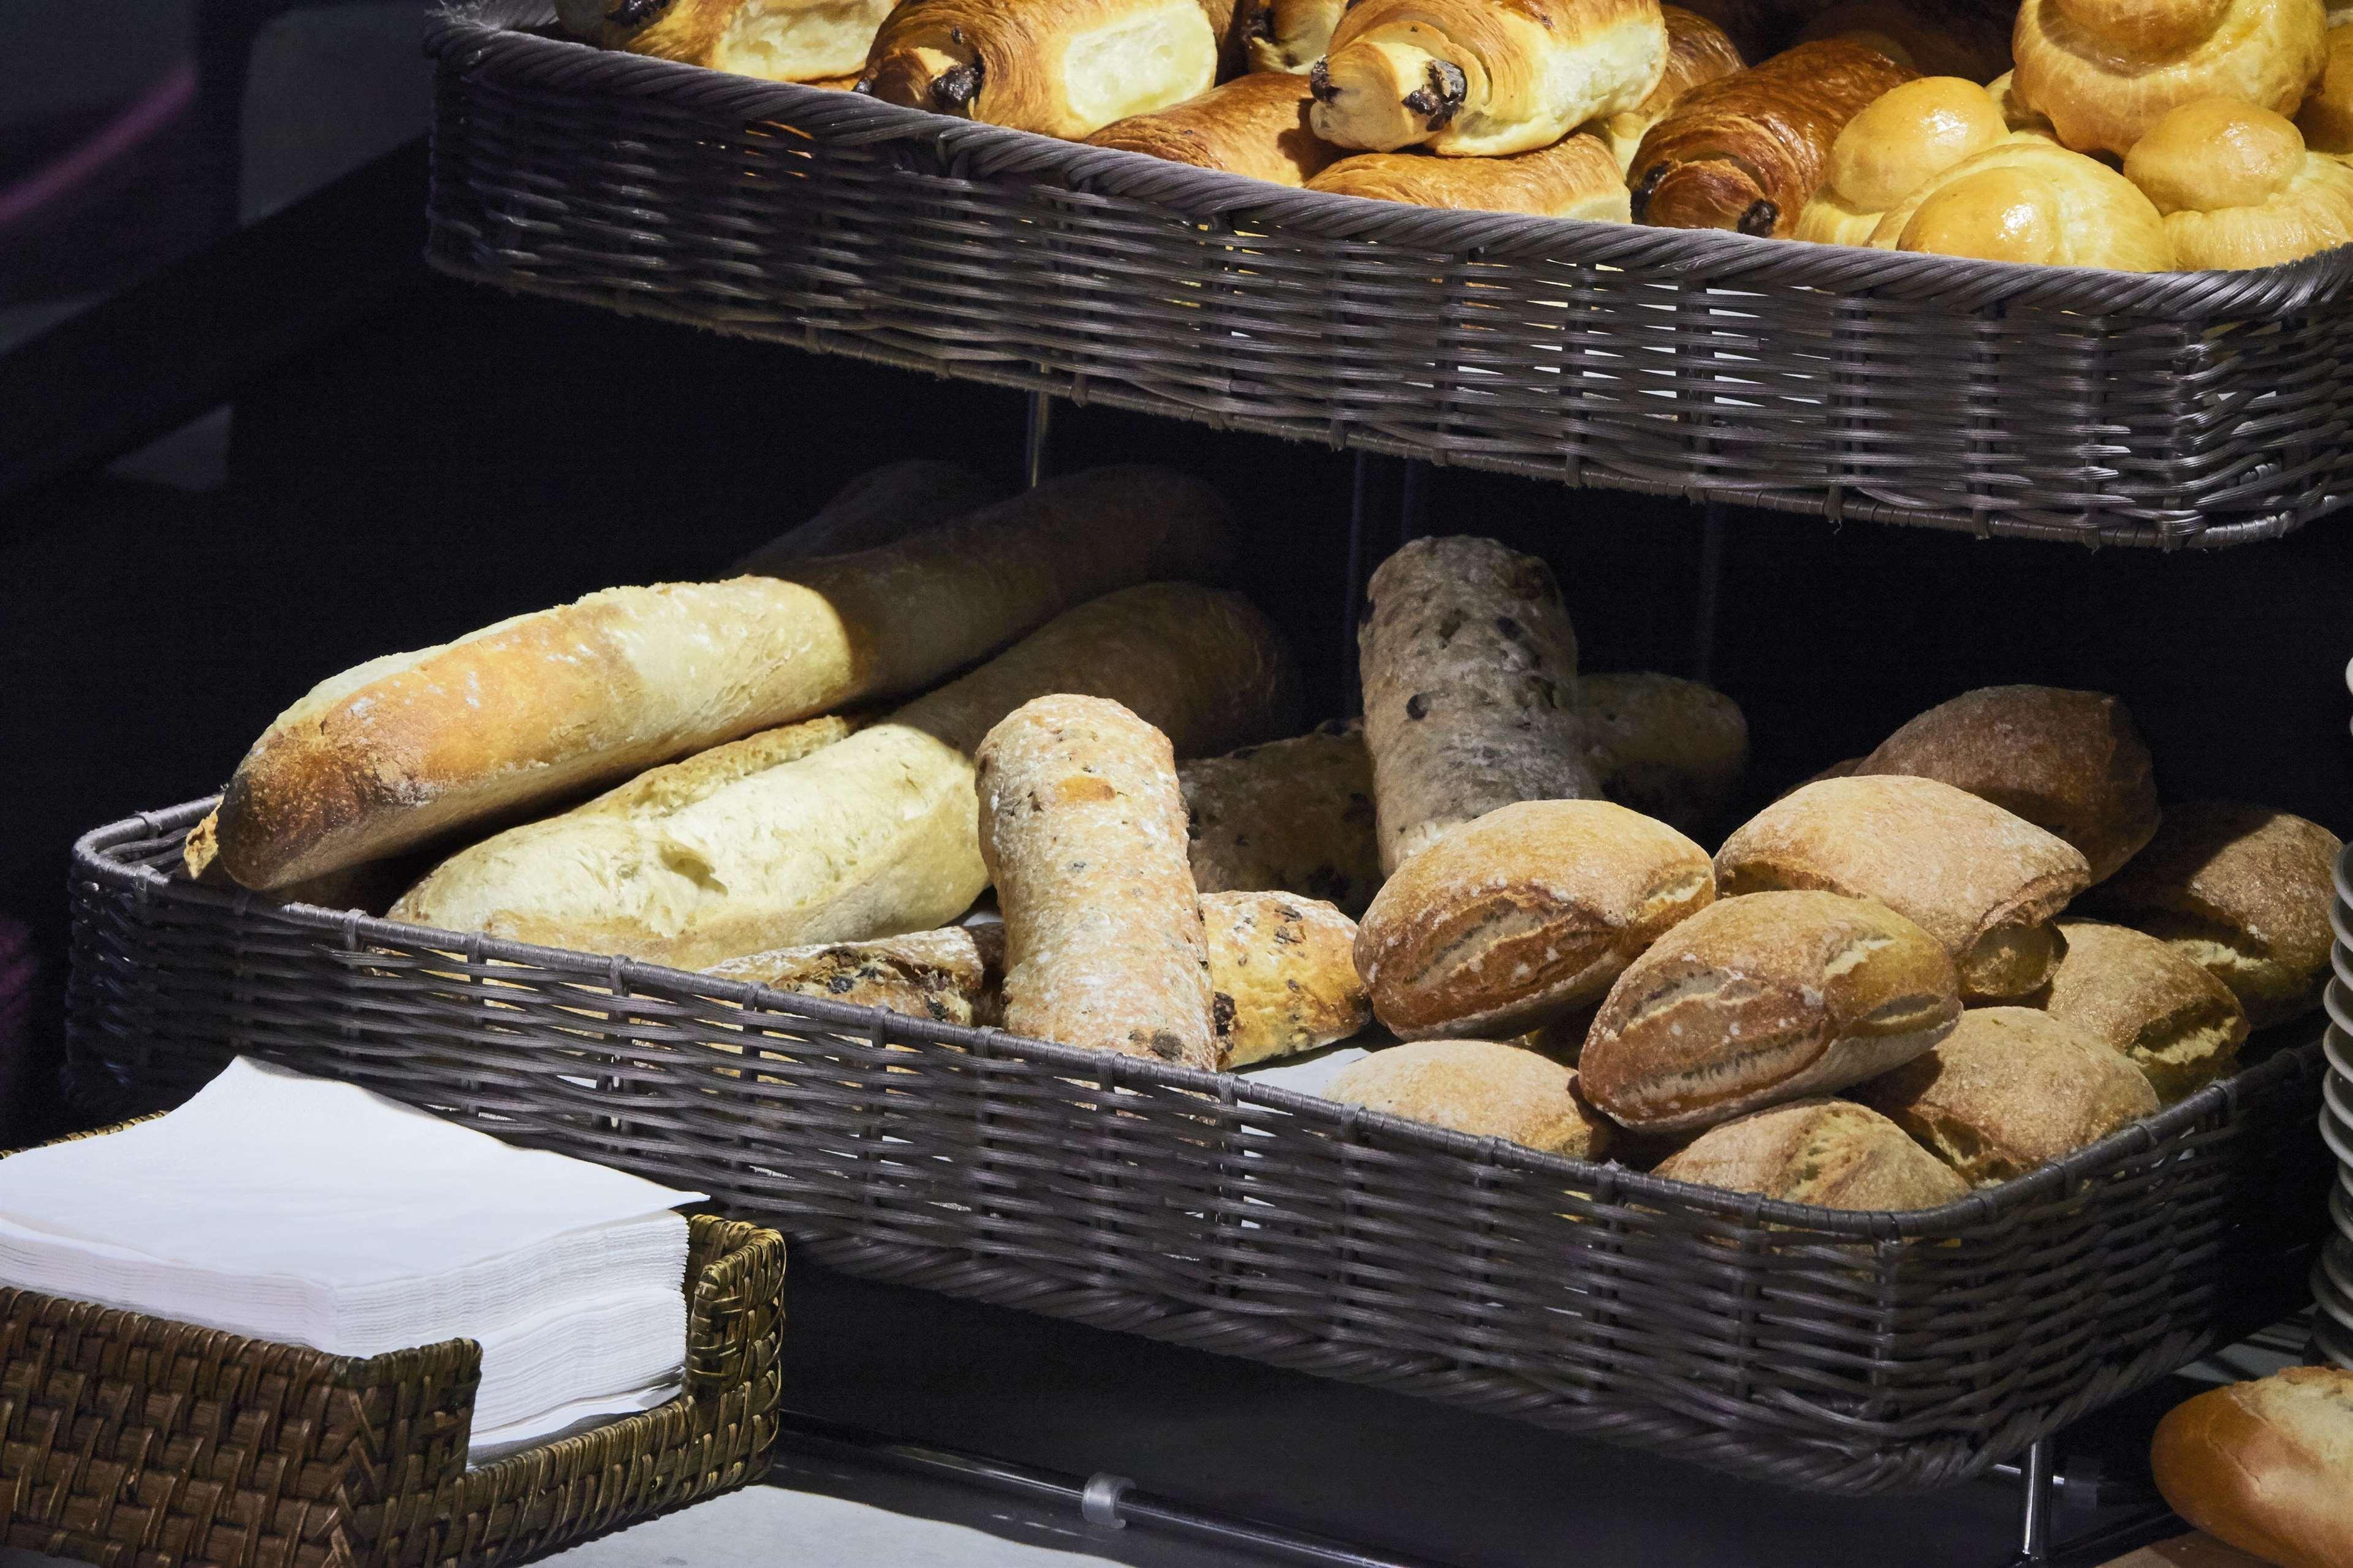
{"points": [[2009, 1089], [1765, 998], [1983, 882], [2178, 1024], [1083, 826], [2239, 188], [880, 507], [1523, 916], [1574, 177], [1283, 975], [949, 976], [747, 848], [2262, 1465], [1909, 134], [1288, 35], [1292, 817], [1698, 52], [1254, 125], [1828, 1153], [1060, 67], [401, 750], [1469, 682], [1481, 1087], [1667, 747]]}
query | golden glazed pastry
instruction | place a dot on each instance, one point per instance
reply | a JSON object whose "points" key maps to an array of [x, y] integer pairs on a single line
{"points": [[1254, 125], [1574, 177], [1747, 150], [1060, 67], [1288, 35], [2238, 188], [1944, 37], [1698, 52], [2326, 117], [2027, 200], [2105, 71], [1484, 76], [812, 41], [1909, 135]]}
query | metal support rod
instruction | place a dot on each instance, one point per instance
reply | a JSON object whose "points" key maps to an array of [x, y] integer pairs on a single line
{"points": [[1353, 605], [1036, 439], [2034, 1513], [1711, 583]]}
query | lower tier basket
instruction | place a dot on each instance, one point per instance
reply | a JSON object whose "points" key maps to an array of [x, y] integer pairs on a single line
{"points": [[1835, 1351], [140, 1441]]}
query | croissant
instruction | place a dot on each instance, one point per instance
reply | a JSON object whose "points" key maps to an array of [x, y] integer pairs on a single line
{"points": [[1483, 77], [1698, 52], [2238, 187], [1574, 177], [1950, 38], [1254, 125], [2030, 200], [1288, 35], [1909, 135], [1060, 68], [1745, 150], [2104, 71], [2326, 117], [781, 40]]}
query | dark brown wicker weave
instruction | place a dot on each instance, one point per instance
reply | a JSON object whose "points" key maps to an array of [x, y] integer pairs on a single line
{"points": [[140, 1441], [1846, 1352], [2183, 408]]}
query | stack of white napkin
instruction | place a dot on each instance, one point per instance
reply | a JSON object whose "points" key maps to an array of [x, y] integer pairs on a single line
{"points": [[295, 1209]]}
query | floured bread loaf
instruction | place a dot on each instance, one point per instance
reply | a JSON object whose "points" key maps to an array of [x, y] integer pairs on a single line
{"points": [[2178, 1024], [1283, 973]]}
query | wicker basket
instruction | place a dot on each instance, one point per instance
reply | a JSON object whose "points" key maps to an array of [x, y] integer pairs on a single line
{"points": [[1837, 1352], [140, 1441], [2182, 408]]}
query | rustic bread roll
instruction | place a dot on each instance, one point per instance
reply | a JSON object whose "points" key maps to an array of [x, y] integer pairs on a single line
{"points": [[1288, 35], [2243, 890], [2032, 201], [949, 976], [1521, 917], [1574, 177], [2262, 1465], [2009, 1089], [2070, 762], [1060, 67], [398, 750], [2177, 1022], [880, 507], [1294, 816], [1481, 1087], [2238, 188], [1254, 125], [1666, 747], [1940, 38], [1469, 666], [1982, 881], [1698, 52], [1762, 999], [1907, 136], [2104, 71], [1284, 975], [1472, 77], [773, 843], [2326, 117], [1828, 1153], [1083, 826], [1747, 150]]}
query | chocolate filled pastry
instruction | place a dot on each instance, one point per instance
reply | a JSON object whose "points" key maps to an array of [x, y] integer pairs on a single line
{"points": [[1479, 77], [1698, 52], [2105, 71], [1254, 125], [1287, 35], [1574, 177], [817, 42], [1909, 135], [2238, 187], [1944, 38], [1747, 150], [1060, 67], [2034, 201]]}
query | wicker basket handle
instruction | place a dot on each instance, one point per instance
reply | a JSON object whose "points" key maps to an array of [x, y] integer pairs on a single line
{"points": [[739, 1270]]}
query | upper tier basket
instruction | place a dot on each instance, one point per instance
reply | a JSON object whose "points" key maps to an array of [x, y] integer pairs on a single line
{"points": [[2187, 409]]}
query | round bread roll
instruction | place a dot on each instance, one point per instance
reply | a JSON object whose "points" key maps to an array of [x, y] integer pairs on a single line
{"points": [[2238, 188], [2243, 890], [1516, 919], [2326, 117], [1664, 746], [1484, 1087], [1982, 882], [1909, 135], [2032, 201], [1761, 999], [1283, 973], [1832, 1154], [2070, 762], [2009, 1089], [2106, 70], [2262, 1465], [2177, 1022]]}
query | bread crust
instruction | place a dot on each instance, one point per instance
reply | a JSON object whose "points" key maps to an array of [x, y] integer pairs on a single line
{"points": [[1763, 999], [1292, 817], [1576, 177], [2177, 1022], [1255, 125], [2239, 188], [1664, 746], [948, 976], [1012, 62], [1480, 1087], [1904, 137], [1283, 974], [2030, 200], [1828, 1153], [2261, 1466]]}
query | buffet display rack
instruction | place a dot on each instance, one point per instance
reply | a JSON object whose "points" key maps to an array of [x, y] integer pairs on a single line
{"points": [[2171, 409], [1833, 1352]]}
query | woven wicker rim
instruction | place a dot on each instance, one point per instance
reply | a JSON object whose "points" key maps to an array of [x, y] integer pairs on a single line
{"points": [[353, 931], [483, 35]]}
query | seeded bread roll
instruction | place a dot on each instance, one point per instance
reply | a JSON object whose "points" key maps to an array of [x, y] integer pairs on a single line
{"points": [[1981, 880], [949, 976], [1669, 748], [1083, 826], [1283, 974], [1762, 999], [2178, 1024], [1470, 678], [2009, 1089], [1828, 1153], [2262, 1465], [880, 507], [1294, 816], [2243, 890], [1523, 916], [2070, 762], [1481, 1087]]}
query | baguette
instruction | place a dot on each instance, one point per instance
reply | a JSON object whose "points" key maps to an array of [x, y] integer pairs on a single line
{"points": [[1827, 1153], [403, 749], [1283, 975], [1293, 816], [880, 507], [2262, 1465], [1480, 1087], [1254, 125], [1058, 67]]}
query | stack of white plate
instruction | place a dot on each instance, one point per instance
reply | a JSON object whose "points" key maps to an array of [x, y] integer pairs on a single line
{"points": [[2332, 1277]]}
